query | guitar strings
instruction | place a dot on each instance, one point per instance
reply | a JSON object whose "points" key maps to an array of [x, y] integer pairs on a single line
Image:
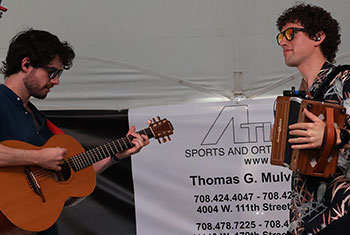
{"points": [[88, 158]]}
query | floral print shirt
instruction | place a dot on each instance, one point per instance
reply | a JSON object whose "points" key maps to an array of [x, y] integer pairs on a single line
{"points": [[319, 201]]}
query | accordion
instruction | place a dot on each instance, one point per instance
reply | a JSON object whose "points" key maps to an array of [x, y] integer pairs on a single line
{"points": [[315, 162]]}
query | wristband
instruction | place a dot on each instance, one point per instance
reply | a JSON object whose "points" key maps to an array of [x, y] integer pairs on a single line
{"points": [[114, 159]]}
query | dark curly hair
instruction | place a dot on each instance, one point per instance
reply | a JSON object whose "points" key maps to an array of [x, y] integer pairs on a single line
{"points": [[314, 19], [40, 47]]}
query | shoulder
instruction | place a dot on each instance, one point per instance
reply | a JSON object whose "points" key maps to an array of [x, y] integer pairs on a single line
{"points": [[2, 89], [3, 94], [340, 74], [341, 70]]}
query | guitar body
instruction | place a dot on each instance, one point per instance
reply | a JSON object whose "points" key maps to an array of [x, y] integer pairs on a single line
{"points": [[32, 198], [30, 211]]}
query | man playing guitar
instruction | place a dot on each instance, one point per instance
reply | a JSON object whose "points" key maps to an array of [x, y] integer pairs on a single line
{"points": [[33, 66]]}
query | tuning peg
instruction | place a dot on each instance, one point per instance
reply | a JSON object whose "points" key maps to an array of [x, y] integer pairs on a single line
{"points": [[154, 120], [149, 122], [169, 138], [164, 140], [159, 141], [158, 118]]}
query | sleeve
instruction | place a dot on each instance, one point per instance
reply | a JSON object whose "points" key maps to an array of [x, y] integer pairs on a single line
{"points": [[344, 157], [345, 81]]}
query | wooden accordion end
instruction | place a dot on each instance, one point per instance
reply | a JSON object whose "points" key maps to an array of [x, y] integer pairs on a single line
{"points": [[315, 162]]}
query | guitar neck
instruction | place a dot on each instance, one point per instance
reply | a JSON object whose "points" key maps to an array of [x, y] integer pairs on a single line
{"points": [[88, 158]]}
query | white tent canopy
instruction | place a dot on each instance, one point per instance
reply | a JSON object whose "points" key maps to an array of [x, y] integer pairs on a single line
{"points": [[134, 53]]}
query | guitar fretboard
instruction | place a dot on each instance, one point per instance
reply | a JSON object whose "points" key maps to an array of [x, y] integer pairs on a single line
{"points": [[87, 158]]}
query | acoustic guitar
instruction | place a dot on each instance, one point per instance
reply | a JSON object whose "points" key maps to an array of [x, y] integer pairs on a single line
{"points": [[32, 198]]}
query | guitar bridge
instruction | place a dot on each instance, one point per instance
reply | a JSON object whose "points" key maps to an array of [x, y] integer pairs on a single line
{"points": [[34, 184]]}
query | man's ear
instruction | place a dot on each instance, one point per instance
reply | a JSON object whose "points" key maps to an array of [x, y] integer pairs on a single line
{"points": [[25, 63], [319, 37]]}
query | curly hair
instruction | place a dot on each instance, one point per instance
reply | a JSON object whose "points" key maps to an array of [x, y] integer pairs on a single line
{"points": [[314, 19], [40, 47]]}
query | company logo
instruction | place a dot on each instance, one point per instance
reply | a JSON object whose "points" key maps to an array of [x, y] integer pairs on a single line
{"points": [[235, 119]]}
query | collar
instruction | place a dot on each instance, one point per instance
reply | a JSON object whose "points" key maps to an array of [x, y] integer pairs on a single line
{"points": [[16, 99], [12, 96], [327, 67]]}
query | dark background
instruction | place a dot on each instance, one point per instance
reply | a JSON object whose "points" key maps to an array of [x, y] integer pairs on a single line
{"points": [[110, 208]]}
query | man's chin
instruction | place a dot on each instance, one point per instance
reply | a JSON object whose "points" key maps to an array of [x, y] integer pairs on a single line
{"points": [[40, 96], [290, 64]]}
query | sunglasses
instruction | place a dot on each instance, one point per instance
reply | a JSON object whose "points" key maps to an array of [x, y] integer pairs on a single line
{"points": [[288, 33], [53, 72]]}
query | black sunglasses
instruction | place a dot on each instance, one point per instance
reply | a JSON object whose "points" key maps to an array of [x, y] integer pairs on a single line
{"points": [[53, 72], [288, 33]]}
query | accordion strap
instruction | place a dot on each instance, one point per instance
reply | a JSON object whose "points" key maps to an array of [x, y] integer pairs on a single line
{"points": [[329, 141]]}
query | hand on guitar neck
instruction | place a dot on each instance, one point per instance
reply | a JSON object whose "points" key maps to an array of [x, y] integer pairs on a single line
{"points": [[138, 141], [52, 158]]}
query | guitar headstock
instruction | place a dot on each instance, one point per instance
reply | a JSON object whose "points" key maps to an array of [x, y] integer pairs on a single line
{"points": [[161, 129]]}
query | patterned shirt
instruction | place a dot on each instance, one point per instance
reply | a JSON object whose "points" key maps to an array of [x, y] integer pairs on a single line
{"points": [[319, 201]]}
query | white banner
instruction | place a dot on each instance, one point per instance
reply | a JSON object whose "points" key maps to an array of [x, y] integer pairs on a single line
{"points": [[214, 176]]}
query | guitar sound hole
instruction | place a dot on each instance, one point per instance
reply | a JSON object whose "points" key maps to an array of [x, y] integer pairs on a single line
{"points": [[64, 174]]}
